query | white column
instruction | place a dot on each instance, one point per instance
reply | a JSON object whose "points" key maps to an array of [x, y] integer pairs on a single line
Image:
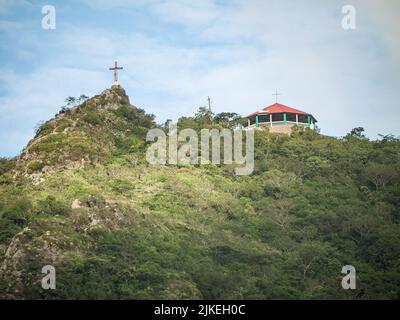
{"points": [[297, 119]]}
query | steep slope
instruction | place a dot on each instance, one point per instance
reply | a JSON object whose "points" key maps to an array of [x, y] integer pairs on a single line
{"points": [[82, 198], [103, 126]]}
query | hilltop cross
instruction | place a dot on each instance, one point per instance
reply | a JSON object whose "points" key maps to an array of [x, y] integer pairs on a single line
{"points": [[276, 94], [116, 68], [209, 104]]}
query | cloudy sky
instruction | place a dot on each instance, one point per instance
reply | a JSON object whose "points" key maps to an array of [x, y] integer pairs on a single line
{"points": [[175, 53]]}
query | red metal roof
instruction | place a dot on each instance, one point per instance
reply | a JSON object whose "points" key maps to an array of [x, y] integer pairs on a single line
{"points": [[278, 108]]}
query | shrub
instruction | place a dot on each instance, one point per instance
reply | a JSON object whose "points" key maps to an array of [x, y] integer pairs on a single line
{"points": [[13, 218], [43, 128], [62, 125], [120, 185], [125, 101], [35, 166], [135, 116], [6, 179], [5, 165], [48, 144], [93, 118], [51, 206]]}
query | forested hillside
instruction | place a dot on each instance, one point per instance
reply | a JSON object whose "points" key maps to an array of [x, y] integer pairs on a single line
{"points": [[82, 197]]}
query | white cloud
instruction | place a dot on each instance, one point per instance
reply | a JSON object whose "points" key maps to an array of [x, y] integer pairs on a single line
{"points": [[186, 12]]}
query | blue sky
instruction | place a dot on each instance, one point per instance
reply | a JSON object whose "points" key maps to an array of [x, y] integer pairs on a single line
{"points": [[175, 53]]}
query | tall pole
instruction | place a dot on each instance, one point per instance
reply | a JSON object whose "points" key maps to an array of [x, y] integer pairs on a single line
{"points": [[209, 104]]}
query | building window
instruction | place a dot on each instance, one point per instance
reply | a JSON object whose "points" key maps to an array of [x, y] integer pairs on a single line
{"points": [[263, 118], [277, 117], [303, 118], [291, 117]]}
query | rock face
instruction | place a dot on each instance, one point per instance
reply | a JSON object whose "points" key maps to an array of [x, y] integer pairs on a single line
{"points": [[76, 204], [20, 253], [112, 98]]}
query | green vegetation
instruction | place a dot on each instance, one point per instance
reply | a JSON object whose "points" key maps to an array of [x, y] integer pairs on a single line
{"points": [[73, 101], [93, 118], [5, 165], [14, 216], [43, 128], [35, 166], [204, 118], [119, 228]]}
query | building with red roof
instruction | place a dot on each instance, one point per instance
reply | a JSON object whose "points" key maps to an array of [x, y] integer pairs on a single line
{"points": [[280, 118]]}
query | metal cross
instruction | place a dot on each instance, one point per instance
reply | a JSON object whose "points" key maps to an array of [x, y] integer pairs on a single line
{"points": [[116, 68], [276, 94]]}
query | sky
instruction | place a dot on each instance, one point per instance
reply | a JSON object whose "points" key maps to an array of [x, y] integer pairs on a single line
{"points": [[176, 53]]}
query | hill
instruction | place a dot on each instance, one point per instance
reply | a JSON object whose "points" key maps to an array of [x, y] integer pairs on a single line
{"points": [[82, 197]]}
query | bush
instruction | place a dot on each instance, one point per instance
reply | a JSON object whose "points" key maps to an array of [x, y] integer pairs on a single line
{"points": [[35, 166], [120, 185], [6, 179], [13, 218], [93, 118], [48, 144], [51, 206], [63, 124], [43, 128], [5, 165], [135, 116]]}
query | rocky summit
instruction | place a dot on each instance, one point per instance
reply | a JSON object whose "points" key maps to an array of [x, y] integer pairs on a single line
{"points": [[82, 199]]}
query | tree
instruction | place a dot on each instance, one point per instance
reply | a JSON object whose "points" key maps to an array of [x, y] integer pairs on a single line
{"points": [[228, 119], [380, 175], [204, 116], [357, 133], [279, 213], [166, 124], [71, 101], [82, 98], [388, 138]]}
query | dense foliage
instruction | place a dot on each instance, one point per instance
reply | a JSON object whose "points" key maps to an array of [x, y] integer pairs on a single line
{"points": [[119, 228]]}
